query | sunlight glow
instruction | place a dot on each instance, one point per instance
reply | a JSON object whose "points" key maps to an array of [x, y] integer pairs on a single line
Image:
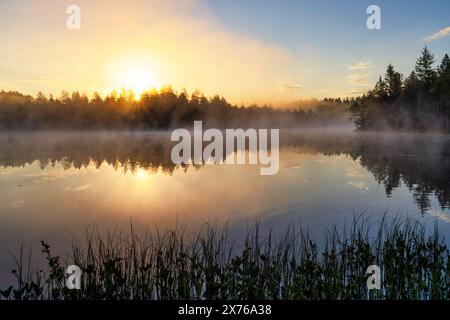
{"points": [[142, 174], [133, 74]]}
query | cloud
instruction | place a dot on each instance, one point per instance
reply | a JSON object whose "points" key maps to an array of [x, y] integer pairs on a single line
{"points": [[438, 35], [355, 92], [361, 65], [349, 92], [358, 78], [289, 88]]}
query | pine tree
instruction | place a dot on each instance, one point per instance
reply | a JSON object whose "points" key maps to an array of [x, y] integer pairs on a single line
{"points": [[380, 92], [424, 69], [393, 81], [444, 68], [411, 86], [443, 89]]}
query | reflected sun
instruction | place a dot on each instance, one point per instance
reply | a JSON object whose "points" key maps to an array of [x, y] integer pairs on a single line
{"points": [[142, 174]]}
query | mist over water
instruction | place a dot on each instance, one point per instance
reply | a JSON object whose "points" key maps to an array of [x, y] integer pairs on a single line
{"points": [[55, 185]]}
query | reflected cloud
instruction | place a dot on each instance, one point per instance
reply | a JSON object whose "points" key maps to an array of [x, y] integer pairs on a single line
{"points": [[360, 185], [54, 175], [80, 188], [443, 216], [356, 173]]}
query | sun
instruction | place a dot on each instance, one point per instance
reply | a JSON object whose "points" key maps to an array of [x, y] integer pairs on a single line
{"points": [[138, 81], [135, 74]]}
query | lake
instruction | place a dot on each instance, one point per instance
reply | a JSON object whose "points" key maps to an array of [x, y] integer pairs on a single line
{"points": [[55, 185]]}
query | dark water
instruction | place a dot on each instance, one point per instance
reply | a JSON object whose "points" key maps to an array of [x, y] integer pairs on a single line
{"points": [[55, 185]]}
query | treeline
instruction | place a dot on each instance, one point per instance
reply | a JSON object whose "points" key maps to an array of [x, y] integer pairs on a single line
{"points": [[162, 109], [421, 101]]}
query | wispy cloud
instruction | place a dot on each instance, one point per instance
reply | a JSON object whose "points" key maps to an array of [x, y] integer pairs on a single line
{"points": [[361, 65], [438, 35], [350, 92], [358, 78], [289, 88]]}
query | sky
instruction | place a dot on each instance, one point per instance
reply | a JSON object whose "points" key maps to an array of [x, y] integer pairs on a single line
{"points": [[249, 51]]}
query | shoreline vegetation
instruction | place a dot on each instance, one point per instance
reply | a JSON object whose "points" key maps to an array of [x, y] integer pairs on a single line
{"points": [[414, 262]]}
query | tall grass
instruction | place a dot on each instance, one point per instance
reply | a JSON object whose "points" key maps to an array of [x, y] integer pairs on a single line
{"points": [[415, 264]]}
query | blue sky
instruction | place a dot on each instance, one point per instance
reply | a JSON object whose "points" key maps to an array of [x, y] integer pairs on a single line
{"points": [[338, 28], [248, 50], [336, 32], [338, 25]]}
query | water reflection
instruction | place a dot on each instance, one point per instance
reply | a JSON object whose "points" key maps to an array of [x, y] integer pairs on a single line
{"points": [[419, 162]]}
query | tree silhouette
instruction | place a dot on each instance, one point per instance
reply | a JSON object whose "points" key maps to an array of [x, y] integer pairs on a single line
{"points": [[394, 83], [424, 69], [420, 102], [155, 109]]}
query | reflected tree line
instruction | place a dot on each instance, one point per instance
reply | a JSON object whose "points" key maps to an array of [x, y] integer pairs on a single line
{"points": [[125, 151], [420, 162], [156, 109]]}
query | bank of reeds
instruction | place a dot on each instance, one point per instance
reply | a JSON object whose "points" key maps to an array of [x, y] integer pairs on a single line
{"points": [[414, 264]]}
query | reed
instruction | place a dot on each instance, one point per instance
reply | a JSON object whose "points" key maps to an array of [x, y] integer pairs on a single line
{"points": [[415, 265]]}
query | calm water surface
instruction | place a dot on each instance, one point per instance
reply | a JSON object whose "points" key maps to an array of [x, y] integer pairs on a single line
{"points": [[55, 185]]}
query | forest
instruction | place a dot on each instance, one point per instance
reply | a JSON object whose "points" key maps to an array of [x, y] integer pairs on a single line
{"points": [[156, 109], [419, 102]]}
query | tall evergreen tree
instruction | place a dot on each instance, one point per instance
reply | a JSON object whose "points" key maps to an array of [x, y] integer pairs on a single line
{"points": [[393, 81], [424, 69], [380, 92], [444, 68], [410, 88], [443, 89]]}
